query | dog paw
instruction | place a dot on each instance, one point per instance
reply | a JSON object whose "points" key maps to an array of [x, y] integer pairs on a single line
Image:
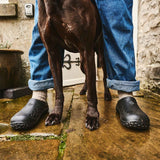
{"points": [[92, 123], [53, 119], [83, 92], [92, 119], [107, 95]]}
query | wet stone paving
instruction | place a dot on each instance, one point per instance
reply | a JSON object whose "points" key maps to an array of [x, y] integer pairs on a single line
{"points": [[70, 140]]}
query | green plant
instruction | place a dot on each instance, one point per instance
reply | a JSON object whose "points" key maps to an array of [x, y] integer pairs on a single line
{"points": [[5, 45]]}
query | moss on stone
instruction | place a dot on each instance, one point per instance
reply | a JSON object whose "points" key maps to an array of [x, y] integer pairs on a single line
{"points": [[30, 137]]}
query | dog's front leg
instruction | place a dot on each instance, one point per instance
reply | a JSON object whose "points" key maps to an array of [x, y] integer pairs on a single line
{"points": [[92, 118], [46, 29], [55, 63], [56, 68]]}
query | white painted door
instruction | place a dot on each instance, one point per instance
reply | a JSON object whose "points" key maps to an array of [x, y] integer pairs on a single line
{"points": [[4, 1], [71, 69], [72, 73]]}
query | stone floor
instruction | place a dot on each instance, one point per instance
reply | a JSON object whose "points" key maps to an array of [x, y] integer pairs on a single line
{"points": [[72, 141]]}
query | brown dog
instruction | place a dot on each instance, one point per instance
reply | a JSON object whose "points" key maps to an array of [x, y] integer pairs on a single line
{"points": [[73, 25]]}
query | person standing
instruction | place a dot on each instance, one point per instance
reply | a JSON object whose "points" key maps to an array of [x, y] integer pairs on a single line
{"points": [[117, 26]]}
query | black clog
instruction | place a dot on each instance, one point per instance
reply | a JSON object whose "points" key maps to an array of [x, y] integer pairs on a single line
{"points": [[131, 116], [29, 115]]}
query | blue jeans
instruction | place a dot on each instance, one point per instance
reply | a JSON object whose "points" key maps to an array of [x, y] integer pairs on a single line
{"points": [[41, 77], [116, 17]]}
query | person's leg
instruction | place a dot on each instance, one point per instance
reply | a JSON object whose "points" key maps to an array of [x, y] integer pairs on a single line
{"points": [[117, 27], [41, 79]]}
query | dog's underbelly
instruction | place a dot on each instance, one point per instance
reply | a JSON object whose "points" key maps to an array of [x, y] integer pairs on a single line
{"points": [[71, 47]]}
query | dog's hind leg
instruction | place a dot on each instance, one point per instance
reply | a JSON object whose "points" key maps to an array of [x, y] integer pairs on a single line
{"points": [[100, 53], [92, 118], [84, 88], [107, 94]]}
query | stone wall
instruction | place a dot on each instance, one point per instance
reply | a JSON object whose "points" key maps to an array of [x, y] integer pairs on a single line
{"points": [[148, 57], [17, 31]]}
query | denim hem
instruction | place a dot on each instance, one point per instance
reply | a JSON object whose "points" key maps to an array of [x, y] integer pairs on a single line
{"points": [[126, 86], [35, 85]]}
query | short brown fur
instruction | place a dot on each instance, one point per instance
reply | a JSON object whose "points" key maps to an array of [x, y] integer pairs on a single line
{"points": [[73, 25]]}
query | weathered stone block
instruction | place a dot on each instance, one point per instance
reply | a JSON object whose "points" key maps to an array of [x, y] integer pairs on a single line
{"points": [[153, 72], [8, 10], [25, 150], [148, 59], [16, 92]]}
